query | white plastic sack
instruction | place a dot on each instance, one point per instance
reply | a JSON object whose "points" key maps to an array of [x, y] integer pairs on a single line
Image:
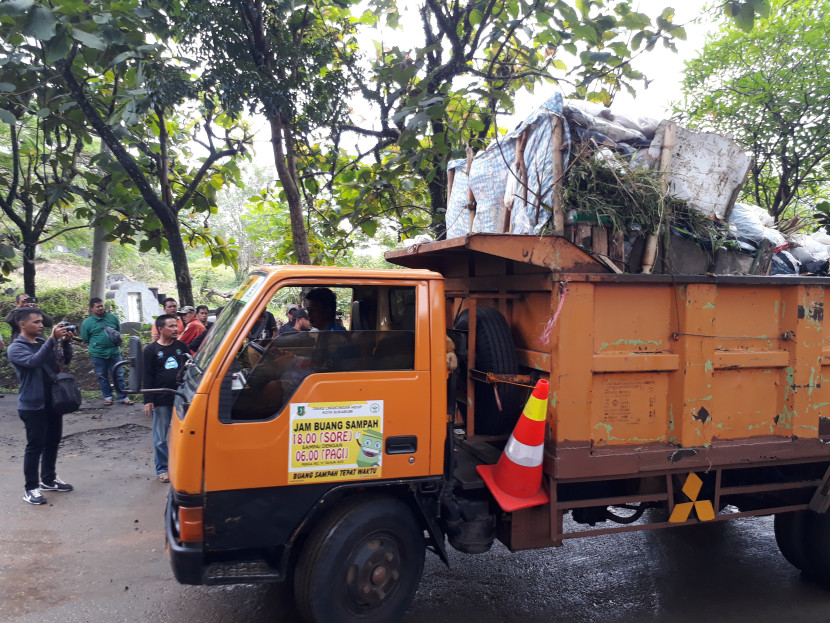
{"points": [[645, 126], [820, 236], [809, 242], [762, 215], [745, 223], [752, 223], [586, 115]]}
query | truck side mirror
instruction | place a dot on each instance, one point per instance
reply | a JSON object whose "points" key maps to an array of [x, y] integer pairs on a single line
{"points": [[136, 358]]}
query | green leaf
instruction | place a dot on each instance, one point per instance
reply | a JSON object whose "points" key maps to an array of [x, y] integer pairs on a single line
{"points": [[7, 87], [744, 16], [7, 117], [58, 48], [369, 228], [112, 35], [88, 39], [15, 7], [40, 24], [637, 40], [762, 8], [121, 58], [43, 113]]}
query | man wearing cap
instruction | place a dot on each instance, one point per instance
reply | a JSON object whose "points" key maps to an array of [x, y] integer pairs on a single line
{"points": [[193, 327], [289, 311], [300, 322]]}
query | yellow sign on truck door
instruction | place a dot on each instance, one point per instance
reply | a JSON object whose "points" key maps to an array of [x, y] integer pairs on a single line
{"points": [[336, 441]]}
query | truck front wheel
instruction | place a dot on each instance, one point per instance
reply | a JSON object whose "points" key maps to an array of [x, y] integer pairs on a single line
{"points": [[361, 563]]}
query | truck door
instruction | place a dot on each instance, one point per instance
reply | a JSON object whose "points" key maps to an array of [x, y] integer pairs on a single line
{"points": [[293, 415]]}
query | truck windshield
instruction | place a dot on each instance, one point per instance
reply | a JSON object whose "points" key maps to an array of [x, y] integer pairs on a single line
{"points": [[247, 292]]}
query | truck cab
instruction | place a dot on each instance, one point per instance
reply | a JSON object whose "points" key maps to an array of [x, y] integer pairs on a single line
{"points": [[271, 430]]}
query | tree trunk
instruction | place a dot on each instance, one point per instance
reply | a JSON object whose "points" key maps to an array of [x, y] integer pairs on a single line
{"points": [[98, 278], [184, 285], [438, 203], [29, 250], [288, 178]]}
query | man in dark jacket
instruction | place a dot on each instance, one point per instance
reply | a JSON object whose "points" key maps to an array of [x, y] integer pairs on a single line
{"points": [[163, 360], [36, 361], [24, 301]]}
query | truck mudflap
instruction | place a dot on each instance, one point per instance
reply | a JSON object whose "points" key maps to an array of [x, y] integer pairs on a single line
{"points": [[186, 559]]}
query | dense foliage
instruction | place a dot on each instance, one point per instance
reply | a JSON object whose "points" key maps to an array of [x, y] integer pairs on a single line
{"points": [[136, 110], [770, 88]]}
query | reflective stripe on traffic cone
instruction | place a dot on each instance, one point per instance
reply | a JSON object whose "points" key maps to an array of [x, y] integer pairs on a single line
{"points": [[516, 480]]}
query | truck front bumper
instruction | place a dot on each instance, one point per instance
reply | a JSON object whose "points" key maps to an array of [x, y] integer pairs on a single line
{"points": [[186, 559]]}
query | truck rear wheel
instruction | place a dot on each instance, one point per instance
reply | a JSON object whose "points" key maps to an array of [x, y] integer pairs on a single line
{"points": [[817, 546], [361, 563], [495, 352], [791, 537]]}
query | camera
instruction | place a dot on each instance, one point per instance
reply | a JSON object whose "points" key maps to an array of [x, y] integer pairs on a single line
{"points": [[69, 327], [31, 299]]}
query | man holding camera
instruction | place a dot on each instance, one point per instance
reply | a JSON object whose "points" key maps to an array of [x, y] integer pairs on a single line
{"points": [[103, 352], [36, 361], [25, 301]]}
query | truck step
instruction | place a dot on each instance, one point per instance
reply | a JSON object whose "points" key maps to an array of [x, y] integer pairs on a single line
{"points": [[251, 571]]}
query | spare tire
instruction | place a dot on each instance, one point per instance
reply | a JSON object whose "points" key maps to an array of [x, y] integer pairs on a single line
{"points": [[495, 352]]}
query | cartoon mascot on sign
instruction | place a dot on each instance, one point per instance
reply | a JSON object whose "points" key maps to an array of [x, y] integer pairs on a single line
{"points": [[370, 442]]}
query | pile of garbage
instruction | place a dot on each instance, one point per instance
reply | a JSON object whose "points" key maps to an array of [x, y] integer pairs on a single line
{"points": [[640, 194]]}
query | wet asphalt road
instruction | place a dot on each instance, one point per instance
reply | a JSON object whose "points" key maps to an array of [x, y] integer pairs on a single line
{"points": [[97, 555]]}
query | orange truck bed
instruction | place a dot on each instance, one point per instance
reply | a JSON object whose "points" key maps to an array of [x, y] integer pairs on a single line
{"points": [[650, 371]]}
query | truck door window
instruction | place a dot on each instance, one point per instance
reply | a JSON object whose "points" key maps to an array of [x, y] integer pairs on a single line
{"points": [[378, 334]]}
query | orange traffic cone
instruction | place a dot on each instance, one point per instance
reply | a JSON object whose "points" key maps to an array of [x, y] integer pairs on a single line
{"points": [[516, 480]]}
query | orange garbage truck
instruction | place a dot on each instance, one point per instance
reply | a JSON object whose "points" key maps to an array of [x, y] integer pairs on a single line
{"points": [[333, 459]]}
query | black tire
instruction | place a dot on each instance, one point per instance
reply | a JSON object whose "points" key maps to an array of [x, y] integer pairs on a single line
{"points": [[495, 352], [817, 546], [361, 563], [791, 537]]}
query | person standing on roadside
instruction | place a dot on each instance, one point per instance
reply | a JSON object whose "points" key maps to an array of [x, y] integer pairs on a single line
{"points": [[103, 352], [193, 327], [36, 360], [25, 301], [171, 308], [163, 359]]}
